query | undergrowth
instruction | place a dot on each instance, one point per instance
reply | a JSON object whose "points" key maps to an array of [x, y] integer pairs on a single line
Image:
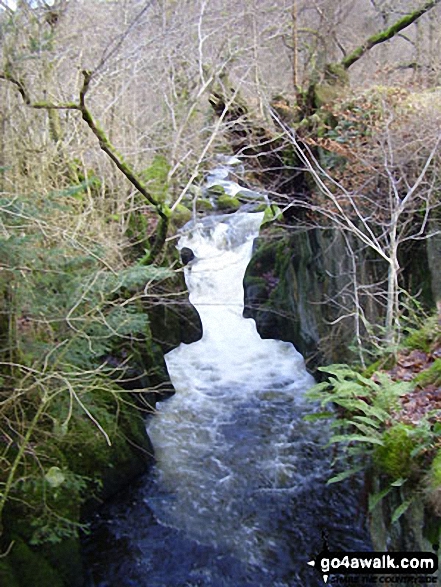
{"points": [[387, 421], [72, 323]]}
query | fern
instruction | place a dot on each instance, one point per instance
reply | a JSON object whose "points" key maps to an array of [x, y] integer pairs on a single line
{"points": [[366, 426]]}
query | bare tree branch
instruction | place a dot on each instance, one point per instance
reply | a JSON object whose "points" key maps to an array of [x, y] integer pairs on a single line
{"points": [[387, 34], [107, 147]]}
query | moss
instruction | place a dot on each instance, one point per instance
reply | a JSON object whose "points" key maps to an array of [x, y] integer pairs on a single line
{"points": [[325, 93], [181, 216], [44, 516], [32, 569], [226, 202], [216, 191], [386, 34], [272, 213], [66, 558], [90, 455], [156, 178], [336, 75], [7, 576], [429, 376], [394, 457], [435, 471], [203, 205], [433, 492], [423, 338]]}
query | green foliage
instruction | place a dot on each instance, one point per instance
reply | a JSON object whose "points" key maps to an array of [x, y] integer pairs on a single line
{"points": [[64, 311], [367, 421], [77, 190], [430, 376], [423, 336], [367, 427], [55, 508], [156, 178], [394, 456], [366, 403], [435, 471]]}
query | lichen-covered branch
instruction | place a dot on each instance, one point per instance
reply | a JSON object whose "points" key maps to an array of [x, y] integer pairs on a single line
{"points": [[126, 170], [106, 146], [387, 34]]}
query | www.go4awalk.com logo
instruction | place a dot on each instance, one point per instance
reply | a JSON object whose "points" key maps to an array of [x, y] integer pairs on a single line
{"points": [[374, 563]]}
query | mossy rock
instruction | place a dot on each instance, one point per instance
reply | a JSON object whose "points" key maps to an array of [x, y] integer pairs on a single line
{"points": [[112, 466], [32, 569], [66, 558], [272, 213], [86, 450], [81, 464], [62, 559], [215, 191], [395, 456], [46, 504], [251, 197], [204, 205], [7, 576], [435, 471], [226, 202], [181, 216], [423, 338], [433, 490], [430, 376]]}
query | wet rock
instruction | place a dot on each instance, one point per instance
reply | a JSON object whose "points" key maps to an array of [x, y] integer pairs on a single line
{"points": [[187, 255]]}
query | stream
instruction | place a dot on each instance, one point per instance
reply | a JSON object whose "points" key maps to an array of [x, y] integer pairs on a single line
{"points": [[238, 495]]}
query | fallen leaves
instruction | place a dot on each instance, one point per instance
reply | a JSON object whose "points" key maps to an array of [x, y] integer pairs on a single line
{"points": [[424, 399]]}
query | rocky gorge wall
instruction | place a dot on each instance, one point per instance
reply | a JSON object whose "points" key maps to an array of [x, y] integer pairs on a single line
{"points": [[303, 286], [299, 287]]}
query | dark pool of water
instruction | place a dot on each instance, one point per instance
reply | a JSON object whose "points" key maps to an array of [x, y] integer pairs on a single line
{"points": [[134, 544]]}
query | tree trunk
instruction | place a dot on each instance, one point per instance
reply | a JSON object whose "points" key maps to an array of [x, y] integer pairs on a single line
{"points": [[392, 295]]}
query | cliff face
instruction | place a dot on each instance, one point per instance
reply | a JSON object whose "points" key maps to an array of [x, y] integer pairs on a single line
{"points": [[316, 289], [300, 287]]}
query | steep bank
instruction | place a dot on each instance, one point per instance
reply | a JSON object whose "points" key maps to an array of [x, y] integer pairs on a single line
{"points": [[81, 365], [92, 460], [304, 285]]}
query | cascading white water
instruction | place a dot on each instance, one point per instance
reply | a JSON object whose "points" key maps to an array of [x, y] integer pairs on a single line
{"points": [[231, 354], [223, 442], [238, 497]]}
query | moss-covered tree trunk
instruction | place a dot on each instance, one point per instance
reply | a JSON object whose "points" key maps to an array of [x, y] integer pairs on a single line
{"points": [[335, 77], [160, 208], [387, 34]]}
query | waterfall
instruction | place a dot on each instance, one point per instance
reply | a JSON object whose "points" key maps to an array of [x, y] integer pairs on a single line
{"points": [[222, 442], [238, 496], [231, 359]]}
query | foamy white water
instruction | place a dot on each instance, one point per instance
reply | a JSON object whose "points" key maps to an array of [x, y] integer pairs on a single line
{"points": [[238, 497], [224, 437]]}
